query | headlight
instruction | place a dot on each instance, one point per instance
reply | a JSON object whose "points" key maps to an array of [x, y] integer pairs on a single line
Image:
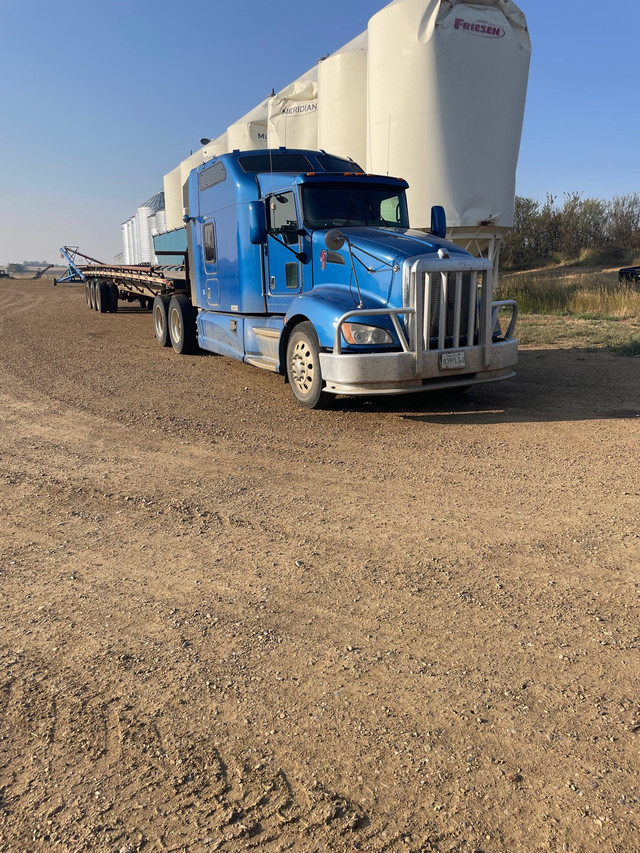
{"points": [[358, 333]]}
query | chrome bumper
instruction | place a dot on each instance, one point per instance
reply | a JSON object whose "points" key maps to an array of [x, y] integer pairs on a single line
{"points": [[440, 314]]}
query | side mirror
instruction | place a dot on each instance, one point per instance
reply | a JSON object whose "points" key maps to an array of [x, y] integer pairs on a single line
{"points": [[257, 223], [438, 221], [334, 240]]}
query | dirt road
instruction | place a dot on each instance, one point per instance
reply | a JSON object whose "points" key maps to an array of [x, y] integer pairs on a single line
{"points": [[231, 624]]}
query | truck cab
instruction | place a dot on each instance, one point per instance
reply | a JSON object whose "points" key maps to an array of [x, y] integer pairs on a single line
{"points": [[302, 264]]}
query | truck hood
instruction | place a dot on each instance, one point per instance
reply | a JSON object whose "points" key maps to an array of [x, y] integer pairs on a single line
{"points": [[377, 251], [395, 244]]}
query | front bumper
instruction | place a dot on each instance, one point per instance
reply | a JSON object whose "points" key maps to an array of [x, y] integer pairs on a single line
{"points": [[398, 372], [448, 304]]}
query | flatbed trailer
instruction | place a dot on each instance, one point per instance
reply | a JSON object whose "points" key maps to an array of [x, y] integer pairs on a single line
{"points": [[107, 284]]}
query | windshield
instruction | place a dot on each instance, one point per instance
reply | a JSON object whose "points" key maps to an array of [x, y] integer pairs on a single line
{"points": [[340, 205]]}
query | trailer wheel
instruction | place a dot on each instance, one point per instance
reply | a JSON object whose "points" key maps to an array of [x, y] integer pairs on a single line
{"points": [[87, 292], [160, 319], [113, 297], [93, 294], [103, 297], [182, 325], [303, 367]]}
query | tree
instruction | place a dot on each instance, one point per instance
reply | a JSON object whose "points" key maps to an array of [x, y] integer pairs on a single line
{"points": [[624, 221]]}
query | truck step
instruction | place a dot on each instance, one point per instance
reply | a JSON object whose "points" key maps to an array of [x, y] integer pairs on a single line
{"points": [[262, 361]]}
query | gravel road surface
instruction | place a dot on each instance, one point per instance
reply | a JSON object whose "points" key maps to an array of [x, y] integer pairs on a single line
{"points": [[229, 623]]}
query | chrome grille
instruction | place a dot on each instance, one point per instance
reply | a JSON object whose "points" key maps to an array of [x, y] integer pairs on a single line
{"points": [[450, 308]]}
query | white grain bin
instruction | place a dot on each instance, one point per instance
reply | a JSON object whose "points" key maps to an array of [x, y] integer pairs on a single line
{"points": [[219, 145], [447, 84], [134, 248], [293, 114], [153, 230], [342, 101], [125, 244], [186, 166], [129, 247], [173, 199], [250, 132], [173, 188], [157, 225], [144, 241], [161, 221]]}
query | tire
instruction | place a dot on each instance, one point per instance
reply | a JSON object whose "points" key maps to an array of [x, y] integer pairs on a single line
{"points": [[103, 297], [113, 298], [93, 294], [160, 319], [87, 292], [182, 325], [303, 367]]}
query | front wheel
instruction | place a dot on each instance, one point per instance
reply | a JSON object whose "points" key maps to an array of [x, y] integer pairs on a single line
{"points": [[303, 368]]}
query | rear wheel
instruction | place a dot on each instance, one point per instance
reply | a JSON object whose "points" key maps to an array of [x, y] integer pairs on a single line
{"points": [[182, 325], [160, 321], [113, 297], [103, 297], [303, 367]]}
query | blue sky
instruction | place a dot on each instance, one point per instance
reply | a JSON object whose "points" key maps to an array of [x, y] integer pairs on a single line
{"points": [[99, 100]]}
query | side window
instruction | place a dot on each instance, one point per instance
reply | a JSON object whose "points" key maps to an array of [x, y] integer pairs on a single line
{"points": [[390, 210], [283, 219], [208, 242]]}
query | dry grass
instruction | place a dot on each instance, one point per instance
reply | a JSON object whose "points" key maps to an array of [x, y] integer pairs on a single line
{"points": [[594, 293], [568, 307]]}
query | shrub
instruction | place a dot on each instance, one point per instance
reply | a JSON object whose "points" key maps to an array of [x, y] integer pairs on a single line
{"points": [[579, 229]]}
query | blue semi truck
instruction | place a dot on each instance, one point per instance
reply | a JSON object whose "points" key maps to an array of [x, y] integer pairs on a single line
{"points": [[298, 262]]}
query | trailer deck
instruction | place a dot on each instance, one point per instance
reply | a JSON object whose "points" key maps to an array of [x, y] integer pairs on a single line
{"points": [[105, 284]]}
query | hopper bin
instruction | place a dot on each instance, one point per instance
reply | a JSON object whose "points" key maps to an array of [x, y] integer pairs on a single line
{"points": [[447, 84], [293, 114], [342, 101], [250, 132]]}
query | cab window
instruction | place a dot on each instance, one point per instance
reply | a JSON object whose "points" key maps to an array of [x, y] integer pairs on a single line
{"points": [[283, 219], [209, 243]]}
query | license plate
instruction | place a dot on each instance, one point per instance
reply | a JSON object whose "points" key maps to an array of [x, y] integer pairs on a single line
{"points": [[452, 360]]}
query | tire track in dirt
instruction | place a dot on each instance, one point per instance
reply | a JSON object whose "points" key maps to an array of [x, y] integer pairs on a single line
{"points": [[14, 302], [161, 773], [232, 625]]}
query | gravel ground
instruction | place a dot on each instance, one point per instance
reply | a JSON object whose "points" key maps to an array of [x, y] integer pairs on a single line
{"points": [[407, 624]]}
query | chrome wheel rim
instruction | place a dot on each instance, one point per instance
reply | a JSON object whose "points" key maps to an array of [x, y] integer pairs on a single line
{"points": [[158, 321], [301, 364], [175, 325]]}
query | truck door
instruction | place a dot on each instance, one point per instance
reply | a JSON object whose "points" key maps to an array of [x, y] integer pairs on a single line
{"points": [[284, 270], [210, 264]]}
